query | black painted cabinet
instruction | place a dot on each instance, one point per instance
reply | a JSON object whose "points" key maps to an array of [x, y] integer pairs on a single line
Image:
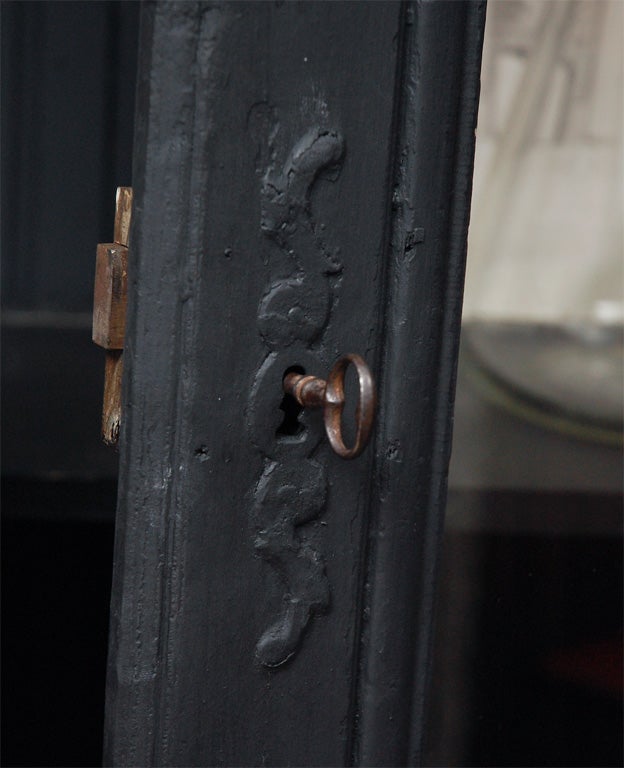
{"points": [[302, 178]]}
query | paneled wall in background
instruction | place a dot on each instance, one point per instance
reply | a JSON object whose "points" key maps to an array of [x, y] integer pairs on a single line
{"points": [[68, 76], [68, 80]]}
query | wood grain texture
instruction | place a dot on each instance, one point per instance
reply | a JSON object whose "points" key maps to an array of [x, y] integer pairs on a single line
{"points": [[110, 295], [225, 93], [123, 215], [111, 402], [110, 299]]}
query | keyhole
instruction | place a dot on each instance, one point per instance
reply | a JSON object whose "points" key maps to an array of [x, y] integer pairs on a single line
{"points": [[290, 426]]}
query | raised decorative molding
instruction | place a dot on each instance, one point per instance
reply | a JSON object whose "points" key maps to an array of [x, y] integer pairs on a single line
{"points": [[292, 314]]}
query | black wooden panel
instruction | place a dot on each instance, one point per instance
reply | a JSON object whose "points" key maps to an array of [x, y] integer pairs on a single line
{"points": [[279, 148], [443, 44], [300, 70]]}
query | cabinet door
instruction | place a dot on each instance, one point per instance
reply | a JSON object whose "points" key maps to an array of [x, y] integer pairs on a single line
{"points": [[302, 184]]}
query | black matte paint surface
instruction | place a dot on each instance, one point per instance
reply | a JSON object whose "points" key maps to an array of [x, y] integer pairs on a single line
{"points": [[225, 94], [56, 557], [431, 205]]}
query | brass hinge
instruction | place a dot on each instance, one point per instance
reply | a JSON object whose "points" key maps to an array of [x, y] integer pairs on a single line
{"points": [[109, 311]]}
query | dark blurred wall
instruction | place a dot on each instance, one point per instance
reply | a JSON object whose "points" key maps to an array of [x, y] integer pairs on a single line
{"points": [[68, 75]]}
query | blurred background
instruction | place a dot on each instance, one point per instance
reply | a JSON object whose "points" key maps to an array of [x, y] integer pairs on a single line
{"points": [[528, 655], [68, 80], [528, 650]]}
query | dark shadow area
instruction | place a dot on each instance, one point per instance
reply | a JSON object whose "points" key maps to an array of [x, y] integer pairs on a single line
{"points": [[57, 548], [528, 668]]}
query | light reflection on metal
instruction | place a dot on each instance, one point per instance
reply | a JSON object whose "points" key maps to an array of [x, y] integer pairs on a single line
{"points": [[312, 392]]}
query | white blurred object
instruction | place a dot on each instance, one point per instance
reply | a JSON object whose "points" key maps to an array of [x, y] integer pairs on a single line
{"points": [[546, 242]]}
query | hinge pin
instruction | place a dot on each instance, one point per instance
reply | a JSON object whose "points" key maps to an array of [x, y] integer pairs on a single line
{"points": [[109, 312]]}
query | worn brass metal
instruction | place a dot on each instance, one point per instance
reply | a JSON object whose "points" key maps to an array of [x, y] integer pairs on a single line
{"points": [[109, 312], [312, 392]]}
